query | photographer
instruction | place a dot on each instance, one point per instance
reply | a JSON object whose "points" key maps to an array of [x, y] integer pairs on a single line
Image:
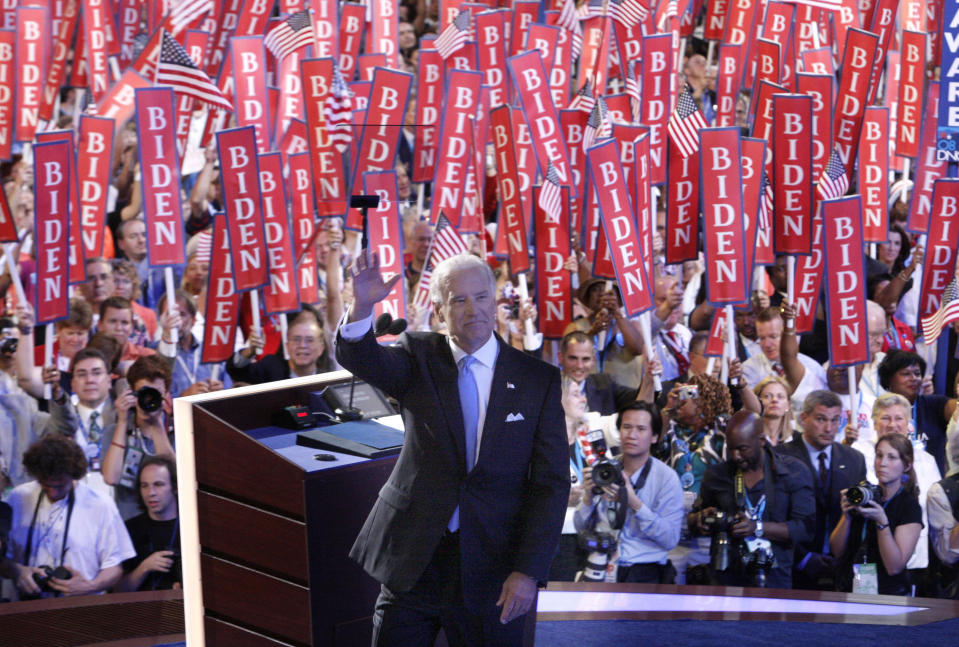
{"points": [[647, 497], [880, 526], [756, 506], [142, 429], [65, 538]]}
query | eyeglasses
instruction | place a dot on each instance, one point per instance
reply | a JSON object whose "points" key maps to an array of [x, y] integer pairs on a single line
{"points": [[309, 341]]}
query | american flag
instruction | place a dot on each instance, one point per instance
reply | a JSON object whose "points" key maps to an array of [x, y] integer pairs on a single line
{"points": [[685, 123], [569, 21], [446, 243], [185, 12], [598, 125], [633, 92], [628, 13], [178, 70], [830, 5], [672, 9], [947, 313], [584, 99], [550, 195], [454, 36], [765, 203], [834, 181], [290, 35], [593, 8], [338, 112]]}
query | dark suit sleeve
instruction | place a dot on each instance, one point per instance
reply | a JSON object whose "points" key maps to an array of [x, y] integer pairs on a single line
{"points": [[548, 490], [801, 518], [388, 368], [623, 395]]}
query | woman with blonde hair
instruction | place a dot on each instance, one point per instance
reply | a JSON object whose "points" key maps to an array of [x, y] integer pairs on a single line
{"points": [[777, 416]]}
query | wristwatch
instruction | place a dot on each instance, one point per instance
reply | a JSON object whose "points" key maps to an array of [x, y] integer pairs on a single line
{"points": [[881, 526], [759, 529]]}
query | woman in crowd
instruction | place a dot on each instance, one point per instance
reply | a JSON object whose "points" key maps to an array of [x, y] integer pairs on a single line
{"points": [[127, 285], [883, 532]]}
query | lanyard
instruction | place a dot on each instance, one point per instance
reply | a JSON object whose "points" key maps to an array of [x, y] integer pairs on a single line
{"points": [[66, 528], [755, 512], [196, 364], [576, 466]]}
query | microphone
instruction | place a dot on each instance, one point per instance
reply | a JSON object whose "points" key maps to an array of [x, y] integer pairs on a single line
{"points": [[384, 325]]}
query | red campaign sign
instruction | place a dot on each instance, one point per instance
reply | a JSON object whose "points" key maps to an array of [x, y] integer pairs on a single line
{"points": [[79, 78], [641, 188], [721, 187], [239, 182], [515, 223], [382, 37], [594, 59], [625, 136], [846, 18], [281, 294], [253, 19], [448, 10], [883, 25], [778, 27], [682, 207], [65, 29], [128, 25], [818, 61], [352, 23], [302, 216], [911, 85], [809, 271], [853, 87], [619, 226], [532, 87], [767, 65], [195, 46], [543, 38], [554, 300], [845, 282], [912, 14], [160, 167], [51, 172], [94, 170], [324, 26], [227, 17], [739, 30], [561, 74], [525, 163], [118, 104], [758, 241], [491, 47], [467, 58], [77, 272], [933, 17], [657, 70], [8, 40], [525, 14], [385, 230], [792, 173], [290, 104], [96, 15], [873, 184], [380, 137], [32, 49], [820, 88], [8, 229], [619, 108], [222, 299], [329, 166], [455, 144], [928, 168], [368, 64], [727, 84], [594, 240], [891, 101], [572, 123], [715, 19], [716, 344], [250, 96], [763, 122], [429, 101], [939, 265]]}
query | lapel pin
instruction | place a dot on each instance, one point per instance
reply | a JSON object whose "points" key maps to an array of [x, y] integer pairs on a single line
{"points": [[509, 385]]}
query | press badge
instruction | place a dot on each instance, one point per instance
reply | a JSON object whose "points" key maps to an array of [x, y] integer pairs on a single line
{"points": [[865, 579], [131, 465]]}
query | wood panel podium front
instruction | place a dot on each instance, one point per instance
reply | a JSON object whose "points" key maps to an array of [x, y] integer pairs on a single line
{"points": [[266, 527]]}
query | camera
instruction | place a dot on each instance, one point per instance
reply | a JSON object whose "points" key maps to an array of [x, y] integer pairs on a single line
{"points": [[149, 399], [606, 472], [514, 308], [863, 494], [598, 547], [719, 524], [8, 345], [43, 581], [757, 558], [688, 392]]}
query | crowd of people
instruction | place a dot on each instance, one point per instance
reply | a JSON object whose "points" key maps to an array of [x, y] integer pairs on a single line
{"points": [[764, 471]]}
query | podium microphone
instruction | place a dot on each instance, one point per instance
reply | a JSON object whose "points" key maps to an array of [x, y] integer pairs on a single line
{"points": [[384, 325]]}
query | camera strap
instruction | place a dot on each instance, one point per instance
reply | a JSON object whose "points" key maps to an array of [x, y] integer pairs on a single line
{"points": [[616, 511], [71, 499]]}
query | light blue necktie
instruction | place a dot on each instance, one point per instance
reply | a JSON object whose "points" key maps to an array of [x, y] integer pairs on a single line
{"points": [[469, 402]]}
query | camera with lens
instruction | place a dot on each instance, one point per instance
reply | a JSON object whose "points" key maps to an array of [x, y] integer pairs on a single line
{"points": [[43, 581], [149, 399], [863, 494], [756, 555], [688, 392], [599, 546], [8, 345], [606, 472], [719, 524]]}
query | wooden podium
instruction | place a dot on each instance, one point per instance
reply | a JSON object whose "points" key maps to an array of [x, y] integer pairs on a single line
{"points": [[266, 526]]}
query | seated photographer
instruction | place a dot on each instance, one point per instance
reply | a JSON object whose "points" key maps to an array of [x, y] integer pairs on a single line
{"points": [[644, 497], [942, 505], [757, 506], [65, 538], [156, 532], [143, 429], [880, 525]]}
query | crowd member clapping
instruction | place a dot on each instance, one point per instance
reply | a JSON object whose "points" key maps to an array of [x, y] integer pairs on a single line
{"points": [[190, 376]]}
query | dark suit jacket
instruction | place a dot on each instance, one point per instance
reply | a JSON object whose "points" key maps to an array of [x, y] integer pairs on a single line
{"points": [[268, 369], [846, 468], [605, 396], [512, 503]]}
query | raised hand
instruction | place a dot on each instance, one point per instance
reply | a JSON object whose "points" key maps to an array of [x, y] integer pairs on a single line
{"points": [[368, 285]]}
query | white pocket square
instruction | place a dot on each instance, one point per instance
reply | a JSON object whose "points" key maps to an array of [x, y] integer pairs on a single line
{"points": [[514, 417]]}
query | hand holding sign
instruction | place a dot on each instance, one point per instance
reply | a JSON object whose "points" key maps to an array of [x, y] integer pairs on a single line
{"points": [[368, 285]]}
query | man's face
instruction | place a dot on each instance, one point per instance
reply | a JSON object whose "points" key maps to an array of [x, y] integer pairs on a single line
{"points": [[99, 284], [305, 343], [821, 425], [72, 339], [422, 235], [837, 378], [876, 326], [636, 433], [56, 487], [469, 310], [156, 490], [891, 420], [778, 274], [91, 381], [745, 322], [186, 319], [743, 447], [769, 334], [134, 241], [118, 323], [578, 360]]}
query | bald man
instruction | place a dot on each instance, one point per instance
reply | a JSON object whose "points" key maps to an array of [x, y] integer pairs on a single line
{"points": [[768, 496]]}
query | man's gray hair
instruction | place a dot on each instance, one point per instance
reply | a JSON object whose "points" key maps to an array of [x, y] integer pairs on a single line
{"points": [[439, 284], [818, 398], [887, 400]]}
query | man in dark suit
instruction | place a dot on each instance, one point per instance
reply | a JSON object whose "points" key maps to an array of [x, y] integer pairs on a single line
{"points": [[834, 468], [465, 528], [577, 358]]}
